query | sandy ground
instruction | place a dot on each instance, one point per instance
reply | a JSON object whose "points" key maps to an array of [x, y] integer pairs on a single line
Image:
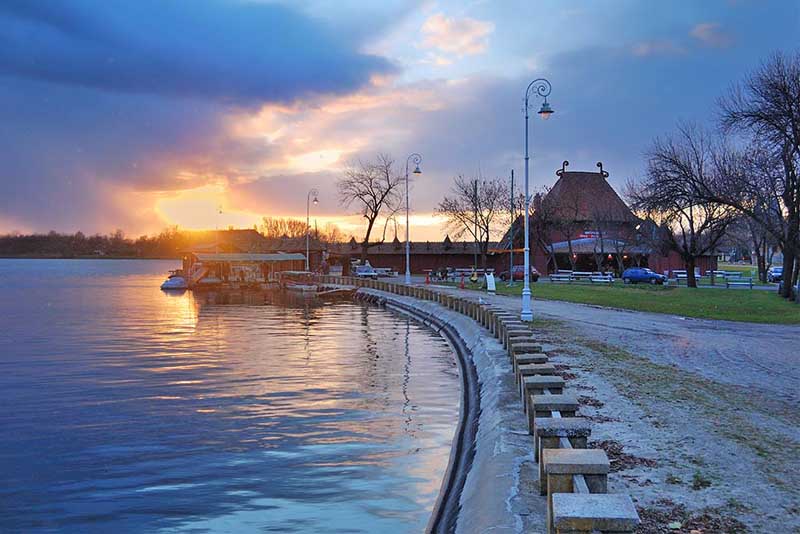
{"points": [[701, 417]]}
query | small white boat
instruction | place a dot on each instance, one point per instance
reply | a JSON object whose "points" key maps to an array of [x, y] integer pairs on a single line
{"points": [[301, 288], [175, 280]]}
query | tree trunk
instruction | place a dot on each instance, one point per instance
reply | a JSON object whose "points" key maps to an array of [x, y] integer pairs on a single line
{"points": [[691, 280], [788, 271], [571, 255], [761, 263], [620, 264]]}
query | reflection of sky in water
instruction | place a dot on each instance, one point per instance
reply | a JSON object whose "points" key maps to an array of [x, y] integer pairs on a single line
{"points": [[131, 410]]}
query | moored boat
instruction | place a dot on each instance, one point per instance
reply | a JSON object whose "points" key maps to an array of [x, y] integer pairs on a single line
{"points": [[175, 280]]}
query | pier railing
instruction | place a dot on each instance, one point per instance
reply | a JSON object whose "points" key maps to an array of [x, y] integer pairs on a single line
{"points": [[572, 477]]}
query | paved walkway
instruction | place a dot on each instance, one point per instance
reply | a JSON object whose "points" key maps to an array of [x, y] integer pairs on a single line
{"points": [[746, 354]]}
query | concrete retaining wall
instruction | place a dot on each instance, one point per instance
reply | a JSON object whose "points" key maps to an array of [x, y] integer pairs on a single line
{"points": [[515, 389]]}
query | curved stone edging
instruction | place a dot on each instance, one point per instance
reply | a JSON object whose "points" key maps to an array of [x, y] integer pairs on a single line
{"points": [[480, 486]]}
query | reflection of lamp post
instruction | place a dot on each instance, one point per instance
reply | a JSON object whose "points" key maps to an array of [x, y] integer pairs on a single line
{"points": [[542, 88], [311, 193], [416, 159]]}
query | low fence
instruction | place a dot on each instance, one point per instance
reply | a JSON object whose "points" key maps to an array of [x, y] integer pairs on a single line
{"points": [[572, 477]]}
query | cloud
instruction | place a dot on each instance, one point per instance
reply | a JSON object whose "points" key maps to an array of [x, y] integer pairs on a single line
{"points": [[711, 34], [458, 36], [657, 48], [108, 106], [235, 52]]}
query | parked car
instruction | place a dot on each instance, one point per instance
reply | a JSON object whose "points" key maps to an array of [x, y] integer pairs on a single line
{"points": [[775, 274], [366, 271], [518, 272], [634, 275]]}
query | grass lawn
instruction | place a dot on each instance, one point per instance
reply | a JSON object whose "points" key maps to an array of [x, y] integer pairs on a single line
{"points": [[756, 306]]}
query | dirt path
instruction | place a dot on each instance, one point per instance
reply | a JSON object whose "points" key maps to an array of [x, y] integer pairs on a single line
{"points": [[699, 417]]}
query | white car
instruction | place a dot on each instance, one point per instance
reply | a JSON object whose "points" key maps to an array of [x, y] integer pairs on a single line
{"points": [[366, 271]]}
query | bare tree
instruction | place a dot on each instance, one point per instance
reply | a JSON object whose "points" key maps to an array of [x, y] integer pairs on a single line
{"points": [[565, 219], [331, 233], [277, 227], [374, 187], [543, 223], [608, 237], [474, 208], [766, 106], [679, 170]]}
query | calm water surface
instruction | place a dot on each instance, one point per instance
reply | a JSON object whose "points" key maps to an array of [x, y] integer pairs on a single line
{"points": [[129, 410]]}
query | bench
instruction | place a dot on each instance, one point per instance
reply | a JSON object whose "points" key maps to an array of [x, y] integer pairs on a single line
{"points": [[739, 282], [602, 279], [561, 278], [574, 478]]}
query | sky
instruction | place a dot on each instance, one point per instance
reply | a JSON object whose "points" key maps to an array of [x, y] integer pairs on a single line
{"points": [[215, 113]]}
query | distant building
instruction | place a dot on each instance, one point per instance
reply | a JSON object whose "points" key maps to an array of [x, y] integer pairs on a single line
{"points": [[424, 255]]}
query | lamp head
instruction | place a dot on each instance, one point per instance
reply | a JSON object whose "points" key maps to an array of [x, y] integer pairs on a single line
{"points": [[417, 170], [316, 201], [545, 111]]}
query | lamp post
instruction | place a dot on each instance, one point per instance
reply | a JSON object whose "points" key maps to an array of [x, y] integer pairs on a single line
{"points": [[416, 159], [541, 87], [511, 237], [312, 193]]}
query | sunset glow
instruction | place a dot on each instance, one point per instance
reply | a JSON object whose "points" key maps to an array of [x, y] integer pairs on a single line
{"points": [[251, 129]]}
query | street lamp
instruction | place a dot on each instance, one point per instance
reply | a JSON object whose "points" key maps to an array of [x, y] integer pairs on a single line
{"points": [[541, 87], [312, 193], [416, 159]]}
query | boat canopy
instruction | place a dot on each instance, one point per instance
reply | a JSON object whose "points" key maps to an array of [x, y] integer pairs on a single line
{"points": [[253, 258]]}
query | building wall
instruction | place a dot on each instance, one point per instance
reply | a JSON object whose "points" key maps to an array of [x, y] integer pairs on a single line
{"points": [[424, 261]]}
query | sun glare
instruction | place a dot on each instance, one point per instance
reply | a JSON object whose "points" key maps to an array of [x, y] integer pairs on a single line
{"points": [[202, 208]]}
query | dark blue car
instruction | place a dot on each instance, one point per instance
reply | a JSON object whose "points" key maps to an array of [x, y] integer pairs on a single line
{"points": [[634, 275], [775, 274]]}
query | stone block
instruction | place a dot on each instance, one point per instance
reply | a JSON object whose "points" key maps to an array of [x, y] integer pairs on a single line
{"points": [[575, 462], [524, 347], [535, 385], [527, 359], [565, 402], [586, 513], [533, 369], [575, 429], [560, 465]]}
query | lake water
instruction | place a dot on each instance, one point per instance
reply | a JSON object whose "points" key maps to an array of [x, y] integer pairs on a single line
{"points": [[125, 409]]}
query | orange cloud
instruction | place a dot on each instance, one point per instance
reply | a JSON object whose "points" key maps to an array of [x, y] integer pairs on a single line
{"points": [[461, 37]]}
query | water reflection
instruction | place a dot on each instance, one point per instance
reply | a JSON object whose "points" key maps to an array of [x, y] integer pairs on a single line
{"points": [[136, 410]]}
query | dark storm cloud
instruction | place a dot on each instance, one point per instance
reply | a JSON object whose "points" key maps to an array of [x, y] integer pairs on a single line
{"points": [[103, 96], [238, 52]]}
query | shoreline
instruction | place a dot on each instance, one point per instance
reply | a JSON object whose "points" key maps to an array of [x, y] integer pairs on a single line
{"points": [[40, 257]]}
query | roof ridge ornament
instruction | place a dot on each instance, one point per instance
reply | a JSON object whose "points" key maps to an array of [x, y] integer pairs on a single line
{"points": [[603, 173], [563, 168]]}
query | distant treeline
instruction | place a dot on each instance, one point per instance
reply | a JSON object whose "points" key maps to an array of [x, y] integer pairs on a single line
{"points": [[167, 244], [170, 243]]}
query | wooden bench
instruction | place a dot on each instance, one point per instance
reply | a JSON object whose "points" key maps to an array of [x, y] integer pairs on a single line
{"points": [[602, 279], [561, 278]]}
